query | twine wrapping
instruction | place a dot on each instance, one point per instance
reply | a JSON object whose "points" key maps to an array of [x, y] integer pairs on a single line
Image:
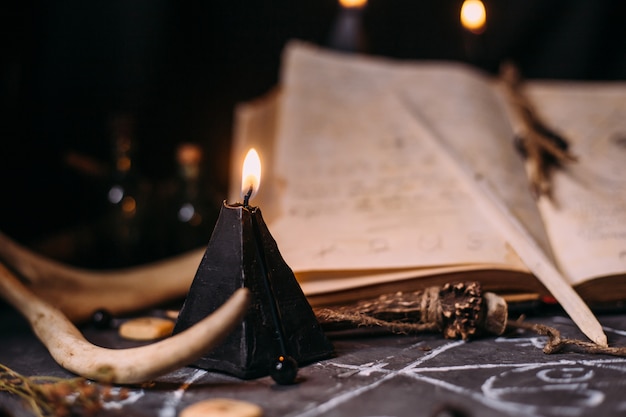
{"points": [[458, 310]]}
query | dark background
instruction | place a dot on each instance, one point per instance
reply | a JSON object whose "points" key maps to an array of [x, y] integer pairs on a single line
{"points": [[177, 69]]}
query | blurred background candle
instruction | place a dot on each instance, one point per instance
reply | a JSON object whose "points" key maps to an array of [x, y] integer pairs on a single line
{"points": [[347, 32], [474, 21], [473, 16]]}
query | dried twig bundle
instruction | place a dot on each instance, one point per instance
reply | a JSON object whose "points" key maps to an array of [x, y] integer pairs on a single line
{"points": [[58, 397], [459, 310]]}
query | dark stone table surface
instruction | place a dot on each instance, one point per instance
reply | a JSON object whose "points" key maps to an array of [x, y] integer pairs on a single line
{"points": [[375, 375]]}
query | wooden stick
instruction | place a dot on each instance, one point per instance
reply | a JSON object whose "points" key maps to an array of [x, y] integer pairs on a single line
{"points": [[521, 240], [73, 352], [79, 292]]}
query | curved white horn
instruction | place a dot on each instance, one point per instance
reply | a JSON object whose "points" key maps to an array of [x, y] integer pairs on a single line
{"points": [[123, 366], [78, 292]]}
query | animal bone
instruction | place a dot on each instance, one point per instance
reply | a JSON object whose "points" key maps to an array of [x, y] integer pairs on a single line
{"points": [[79, 292], [72, 351]]}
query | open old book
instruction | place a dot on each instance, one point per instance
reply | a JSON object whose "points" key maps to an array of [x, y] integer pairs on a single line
{"points": [[361, 201]]}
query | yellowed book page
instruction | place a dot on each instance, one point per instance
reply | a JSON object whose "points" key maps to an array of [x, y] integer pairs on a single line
{"points": [[255, 127], [586, 221], [350, 280], [462, 108], [359, 185]]}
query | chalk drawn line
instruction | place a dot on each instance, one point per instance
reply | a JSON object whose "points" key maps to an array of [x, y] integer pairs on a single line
{"points": [[573, 377]]}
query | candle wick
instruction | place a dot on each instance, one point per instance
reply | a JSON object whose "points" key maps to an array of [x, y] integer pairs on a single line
{"points": [[246, 198]]}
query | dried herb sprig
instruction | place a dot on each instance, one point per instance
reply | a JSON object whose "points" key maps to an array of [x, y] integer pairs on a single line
{"points": [[54, 396], [542, 147]]}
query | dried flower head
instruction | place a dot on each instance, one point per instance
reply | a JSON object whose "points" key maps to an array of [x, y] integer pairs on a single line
{"points": [[53, 396]]}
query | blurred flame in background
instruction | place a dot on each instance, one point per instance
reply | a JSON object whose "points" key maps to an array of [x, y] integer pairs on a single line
{"points": [[473, 16], [352, 3]]}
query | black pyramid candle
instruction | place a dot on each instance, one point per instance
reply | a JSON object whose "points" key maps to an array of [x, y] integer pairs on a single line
{"points": [[280, 330]]}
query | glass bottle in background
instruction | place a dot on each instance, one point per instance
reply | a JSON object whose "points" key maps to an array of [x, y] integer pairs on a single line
{"points": [[125, 197], [194, 216]]}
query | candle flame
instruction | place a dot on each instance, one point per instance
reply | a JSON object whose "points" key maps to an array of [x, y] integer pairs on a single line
{"points": [[352, 3], [251, 174], [473, 16]]}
